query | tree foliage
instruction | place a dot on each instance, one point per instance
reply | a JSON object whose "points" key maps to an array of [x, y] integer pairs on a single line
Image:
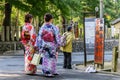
{"points": [[67, 8], [111, 10]]}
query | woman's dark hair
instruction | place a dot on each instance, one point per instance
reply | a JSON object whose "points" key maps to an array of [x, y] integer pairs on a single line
{"points": [[48, 17], [28, 17], [69, 28]]}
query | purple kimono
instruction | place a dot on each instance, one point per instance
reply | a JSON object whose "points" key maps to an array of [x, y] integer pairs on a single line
{"points": [[48, 41]]}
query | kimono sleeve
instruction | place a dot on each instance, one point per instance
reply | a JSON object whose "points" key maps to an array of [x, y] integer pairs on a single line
{"points": [[57, 34], [39, 41], [33, 34]]}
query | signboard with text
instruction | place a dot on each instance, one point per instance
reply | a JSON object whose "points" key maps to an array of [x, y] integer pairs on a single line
{"points": [[90, 35], [99, 41]]}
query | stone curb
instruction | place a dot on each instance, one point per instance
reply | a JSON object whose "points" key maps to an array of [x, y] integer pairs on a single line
{"points": [[14, 53], [106, 72], [21, 53]]}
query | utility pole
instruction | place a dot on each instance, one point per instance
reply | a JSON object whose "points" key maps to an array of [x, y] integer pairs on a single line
{"points": [[101, 16], [101, 8], [118, 60]]}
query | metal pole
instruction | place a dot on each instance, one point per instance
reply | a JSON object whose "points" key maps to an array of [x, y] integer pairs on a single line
{"points": [[85, 56], [101, 8]]}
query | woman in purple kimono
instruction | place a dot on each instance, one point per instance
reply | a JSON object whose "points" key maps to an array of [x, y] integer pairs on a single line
{"points": [[48, 41]]}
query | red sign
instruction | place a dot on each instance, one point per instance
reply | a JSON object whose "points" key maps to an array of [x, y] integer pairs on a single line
{"points": [[99, 41]]}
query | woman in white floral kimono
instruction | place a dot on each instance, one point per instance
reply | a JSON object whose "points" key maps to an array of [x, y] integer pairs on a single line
{"points": [[28, 38], [48, 41]]}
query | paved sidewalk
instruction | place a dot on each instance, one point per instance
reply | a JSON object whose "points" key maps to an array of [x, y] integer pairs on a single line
{"points": [[107, 67]]}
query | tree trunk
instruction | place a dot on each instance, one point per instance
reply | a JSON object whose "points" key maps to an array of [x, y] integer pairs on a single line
{"points": [[7, 19], [63, 23], [40, 21], [17, 18]]}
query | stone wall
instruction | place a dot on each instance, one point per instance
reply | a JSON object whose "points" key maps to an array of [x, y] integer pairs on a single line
{"points": [[78, 46], [109, 44], [8, 46]]}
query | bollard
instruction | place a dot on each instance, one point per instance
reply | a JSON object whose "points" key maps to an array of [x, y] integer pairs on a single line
{"points": [[15, 47], [114, 58]]}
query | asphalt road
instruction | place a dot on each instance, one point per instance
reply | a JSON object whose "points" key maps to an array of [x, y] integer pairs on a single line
{"points": [[12, 68]]}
